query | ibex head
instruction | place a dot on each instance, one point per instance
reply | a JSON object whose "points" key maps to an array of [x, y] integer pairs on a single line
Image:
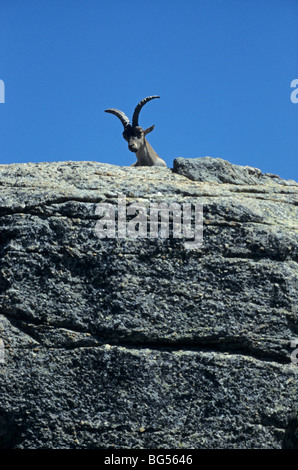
{"points": [[135, 136]]}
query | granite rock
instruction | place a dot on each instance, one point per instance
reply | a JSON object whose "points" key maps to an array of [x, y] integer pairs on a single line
{"points": [[141, 343]]}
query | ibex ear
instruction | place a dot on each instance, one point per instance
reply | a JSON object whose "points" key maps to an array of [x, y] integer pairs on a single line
{"points": [[150, 129]]}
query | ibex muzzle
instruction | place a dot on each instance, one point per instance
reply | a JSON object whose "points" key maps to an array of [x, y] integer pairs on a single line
{"points": [[135, 136]]}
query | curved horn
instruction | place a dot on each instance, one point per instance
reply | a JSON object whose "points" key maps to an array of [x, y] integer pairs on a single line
{"points": [[135, 118], [123, 118]]}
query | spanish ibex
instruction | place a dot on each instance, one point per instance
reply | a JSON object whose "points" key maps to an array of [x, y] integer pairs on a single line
{"points": [[135, 136]]}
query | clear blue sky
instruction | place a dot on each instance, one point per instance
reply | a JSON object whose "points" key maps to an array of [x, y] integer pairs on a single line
{"points": [[222, 68]]}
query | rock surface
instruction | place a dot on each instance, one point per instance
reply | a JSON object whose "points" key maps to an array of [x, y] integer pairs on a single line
{"points": [[140, 343]]}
